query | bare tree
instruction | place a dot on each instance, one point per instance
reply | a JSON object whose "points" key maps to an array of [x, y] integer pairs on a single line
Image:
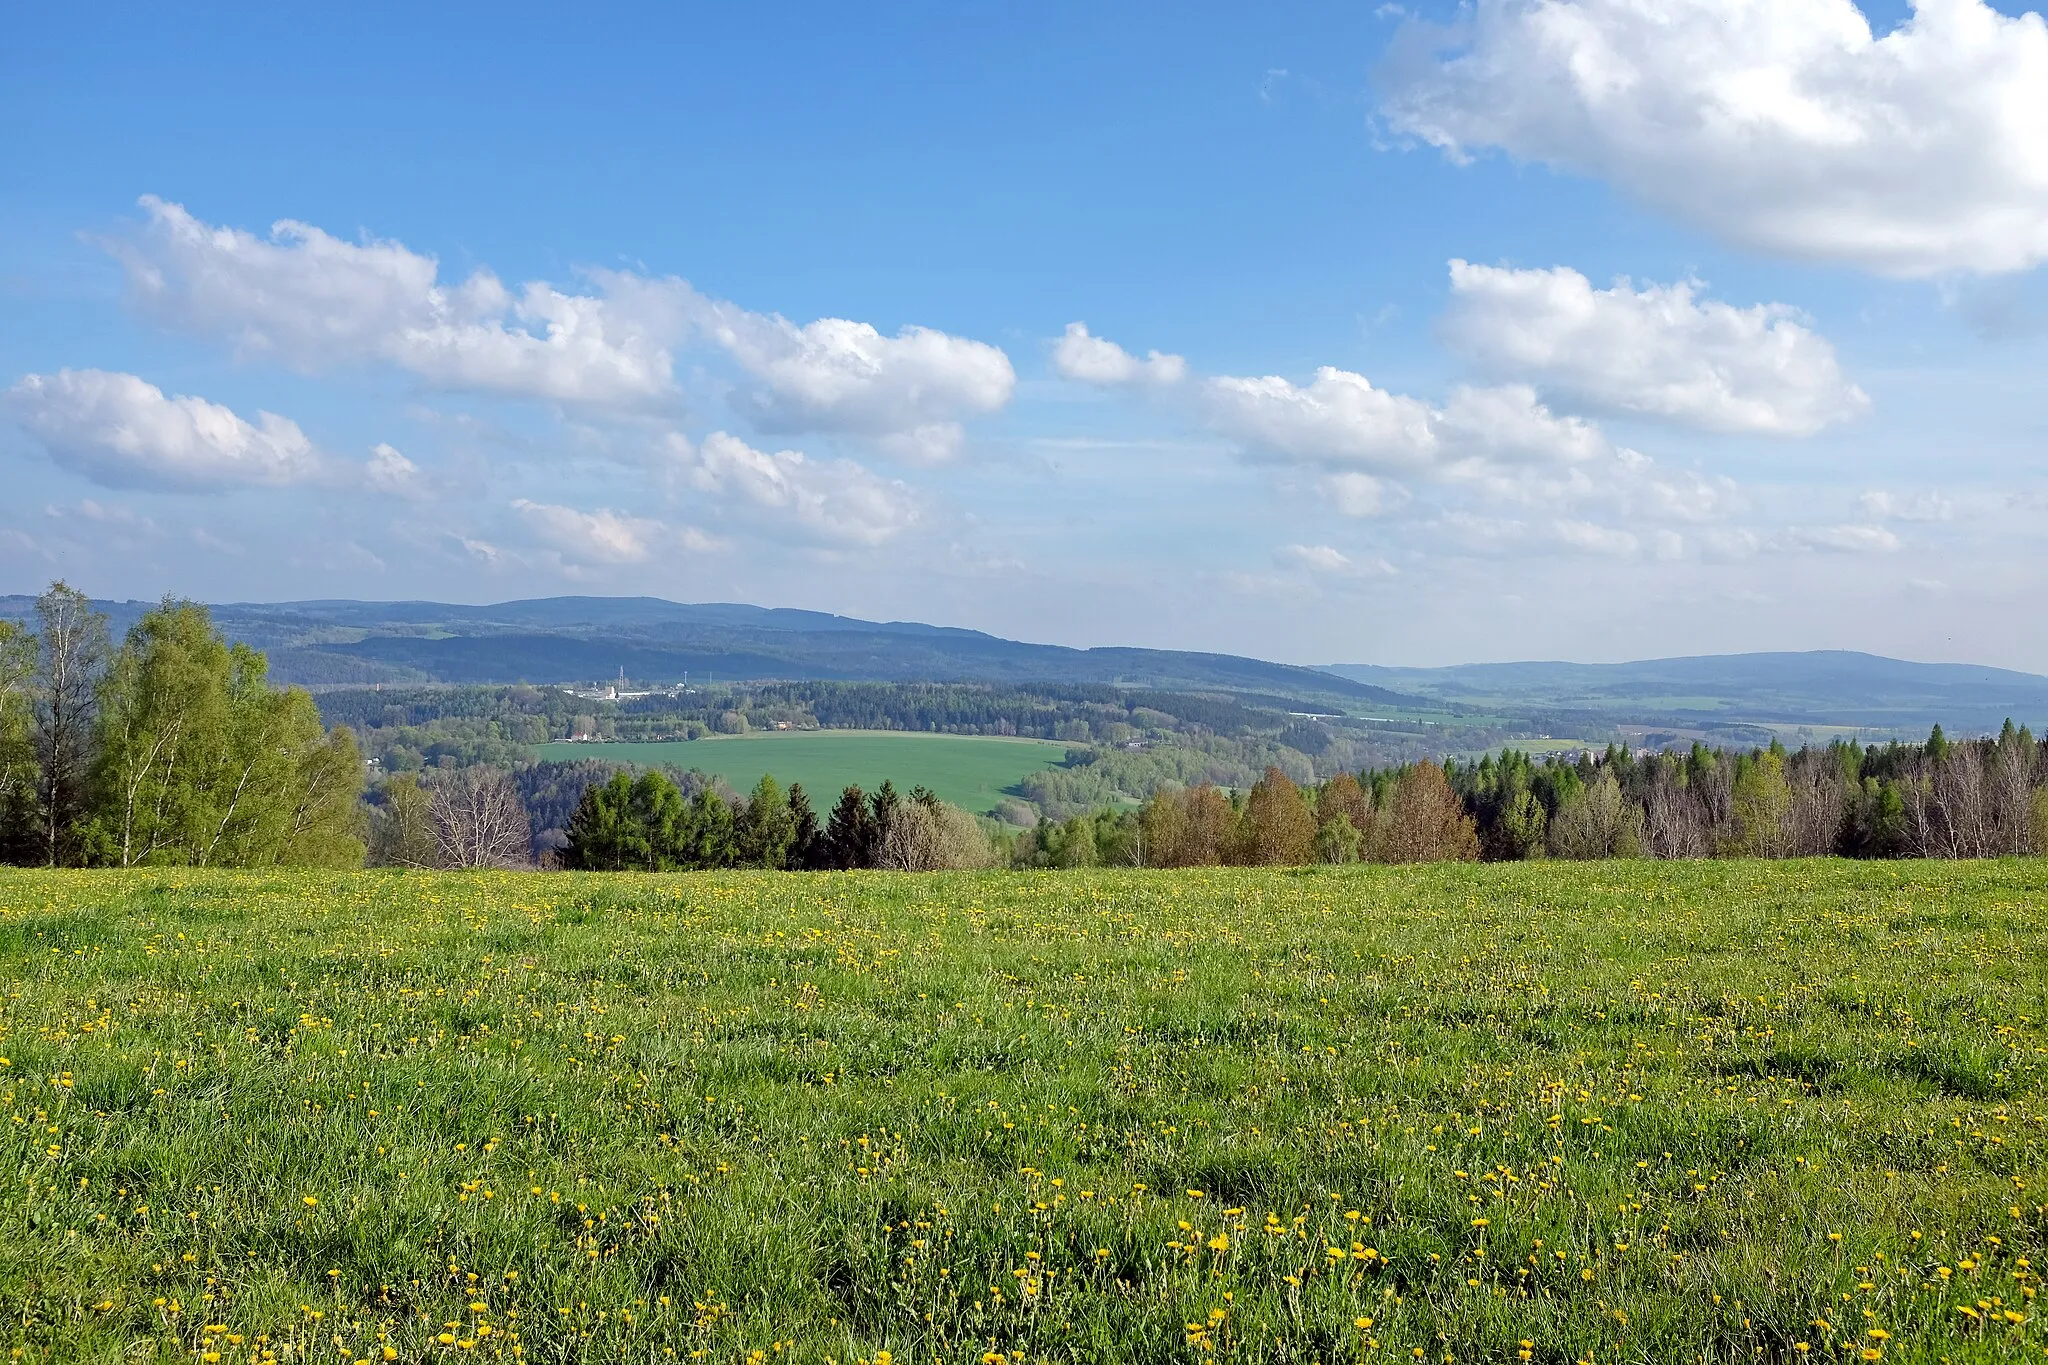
{"points": [[911, 842], [1818, 808], [73, 660], [479, 820], [404, 830], [931, 836], [1963, 816], [1676, 826], [2010, 777]]}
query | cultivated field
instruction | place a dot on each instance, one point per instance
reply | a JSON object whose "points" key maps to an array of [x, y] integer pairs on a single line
{"points": [[970, 771], [1608, 1112]]}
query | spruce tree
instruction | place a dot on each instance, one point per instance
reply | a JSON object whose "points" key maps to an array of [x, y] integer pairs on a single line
{"points": [[850, 833], [804, 836]]}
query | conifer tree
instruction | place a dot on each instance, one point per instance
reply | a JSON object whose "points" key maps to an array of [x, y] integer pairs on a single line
{"points": [[804, 836], [850, 833]]}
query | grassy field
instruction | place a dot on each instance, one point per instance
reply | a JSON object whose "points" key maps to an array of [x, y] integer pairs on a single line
{"points": [[971, 771], [1603, 1112]]}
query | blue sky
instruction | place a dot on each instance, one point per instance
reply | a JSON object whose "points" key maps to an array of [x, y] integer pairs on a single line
{"points": [[772, 304]]}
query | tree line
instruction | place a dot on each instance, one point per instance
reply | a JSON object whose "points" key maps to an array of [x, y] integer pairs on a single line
{"points": [[1941, 799], [644, 824], [170, 749], [1976, 798]]}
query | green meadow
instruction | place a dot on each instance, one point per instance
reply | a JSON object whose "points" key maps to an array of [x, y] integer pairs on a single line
{"points": [[970, 771], [1602, 1112]]}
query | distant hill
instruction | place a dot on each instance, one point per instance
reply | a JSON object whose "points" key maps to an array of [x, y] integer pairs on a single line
{"points": [[1734, 697], [586, 639], [1824, 687]]}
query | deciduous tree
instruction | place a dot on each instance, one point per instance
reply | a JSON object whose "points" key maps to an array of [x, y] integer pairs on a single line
{"points": [[73, 658]]}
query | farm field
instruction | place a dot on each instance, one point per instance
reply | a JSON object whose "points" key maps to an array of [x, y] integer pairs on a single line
{"points": [[970, 771], [1552, 1112]]}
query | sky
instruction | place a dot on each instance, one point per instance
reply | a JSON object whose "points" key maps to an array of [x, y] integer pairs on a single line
{"points": [[1379, 333]]}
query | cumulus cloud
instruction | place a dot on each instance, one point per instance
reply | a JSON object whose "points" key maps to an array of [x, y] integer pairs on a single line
{"points": [[1500, 445], [314, 300], [1087, 359], [1781, 125], [1340, 419], [910, 391], [1659, 350], [123, 432], [834, 500], [601, 537]]}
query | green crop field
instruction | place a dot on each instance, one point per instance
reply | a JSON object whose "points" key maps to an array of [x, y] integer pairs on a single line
{"points": [[971, 771], [1600, 1112]]}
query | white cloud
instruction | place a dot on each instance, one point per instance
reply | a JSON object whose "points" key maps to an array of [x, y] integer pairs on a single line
{"points": [[1510, 425], [601, 537], [1500, 444], [1340, 419], [1780, 125], [315, 301], [1891, 507], [1847, 539], [123, 432], [1089, 359], [390, 472], [909, 391], [1659, 350], [836, 500]]}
